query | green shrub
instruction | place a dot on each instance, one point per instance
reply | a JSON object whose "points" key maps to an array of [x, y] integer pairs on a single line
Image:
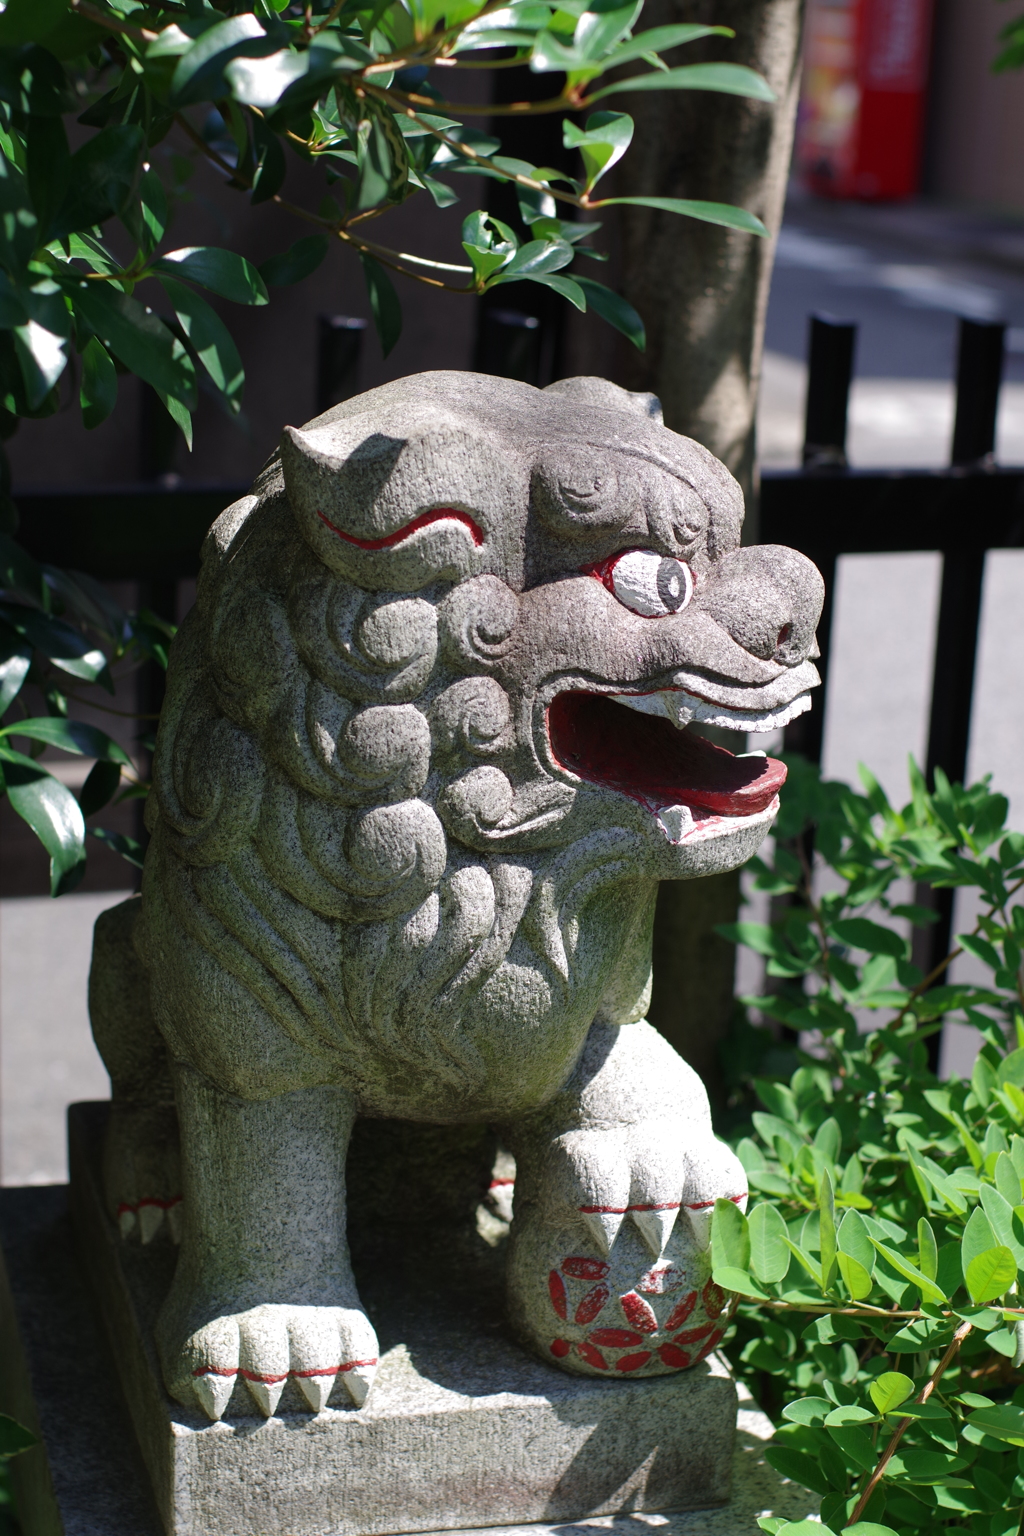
{"points": [[882, 1258]]}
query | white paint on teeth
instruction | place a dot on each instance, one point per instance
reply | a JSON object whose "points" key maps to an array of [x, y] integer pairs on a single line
{"points": [[213, 1392], [655, 1227], [150, 1221], [359, 1379], [266, 1394], [316, 1390], [681, 708], [604, 1228]]}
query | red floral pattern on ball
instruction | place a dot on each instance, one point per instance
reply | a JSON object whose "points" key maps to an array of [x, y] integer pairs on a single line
{"points": [[680, 1313], [639, 1312], [556, 1290], [592, 1304], [591, 1355], [560, 1348], [714, 1299], [584, 1269], [633, 1362]]}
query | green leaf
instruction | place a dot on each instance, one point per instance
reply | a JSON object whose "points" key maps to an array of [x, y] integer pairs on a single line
{"points": [[42, 357], [535, 258], [738, 1281], [100, 787], [210, 339], [858, 1279], [262, 82], [990, 1274], [1007, 1178], [708, 213], [566, 286], [200, 71], [222, 272], [1011, 1069], [889, 1390], [849, 1413], [730, 1239], [927, 1249], [733, 79], [71, 736], [66, 647], [296, 263], [868, 1528], [384, 302], [808, 1410], [488, 243], [861, 933], [127, 847], [47, 169], [52, 812], [853, 1239], [769, 1256], [602, 143], [977, 1239], [179, 414], [1003, 1421], [800, 1469], [929, 1290], [14, 1437], [139, 338], [827, 1230], [13, 672], [103, 175], [660, 40], [98, 392], [615, 309]]}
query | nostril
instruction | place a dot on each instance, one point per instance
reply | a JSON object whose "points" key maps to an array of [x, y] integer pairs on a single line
{"points": [[783, 636]]}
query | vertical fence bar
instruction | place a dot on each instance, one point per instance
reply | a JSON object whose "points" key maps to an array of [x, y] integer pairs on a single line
{"points": [[830, 349], [979, 374], [339, 349]]}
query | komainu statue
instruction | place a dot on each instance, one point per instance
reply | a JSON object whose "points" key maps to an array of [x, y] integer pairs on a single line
{"points": [[422, 764]]}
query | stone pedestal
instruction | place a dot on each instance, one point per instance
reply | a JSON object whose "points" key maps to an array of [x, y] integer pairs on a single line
{"points": [[462, 1430]]}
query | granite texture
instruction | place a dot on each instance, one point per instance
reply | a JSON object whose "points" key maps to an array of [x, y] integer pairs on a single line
{"points": [[422, 763], [87, 1478]]}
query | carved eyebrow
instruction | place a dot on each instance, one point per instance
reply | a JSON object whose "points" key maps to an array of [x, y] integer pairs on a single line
{"points": [[436, 515]]}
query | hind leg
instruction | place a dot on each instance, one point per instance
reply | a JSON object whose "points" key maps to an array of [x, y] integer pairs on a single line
{"points": [[141, 1165], [609, 1269], [263, 1290]]}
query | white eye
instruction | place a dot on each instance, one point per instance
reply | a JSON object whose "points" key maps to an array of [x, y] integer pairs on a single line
{"points": [[654, 585]]}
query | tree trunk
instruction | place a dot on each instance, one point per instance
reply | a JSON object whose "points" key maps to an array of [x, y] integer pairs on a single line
{"points": [[703, 292]]}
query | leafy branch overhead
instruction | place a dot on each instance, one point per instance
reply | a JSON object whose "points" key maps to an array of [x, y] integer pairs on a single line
{"points": [[256, 89], [882, 1258]]}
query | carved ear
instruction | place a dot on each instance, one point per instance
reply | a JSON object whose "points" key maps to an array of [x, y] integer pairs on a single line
{"points": [[594, 391]]}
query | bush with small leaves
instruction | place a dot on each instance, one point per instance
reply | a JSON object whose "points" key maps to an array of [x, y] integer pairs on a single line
{"points": [[882, 1259]]}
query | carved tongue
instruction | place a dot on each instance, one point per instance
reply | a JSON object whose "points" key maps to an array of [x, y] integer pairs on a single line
{"points": [[650, 760]]}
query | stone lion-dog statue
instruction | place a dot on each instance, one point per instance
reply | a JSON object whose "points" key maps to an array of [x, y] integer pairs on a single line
{"points": [[422, 763]]}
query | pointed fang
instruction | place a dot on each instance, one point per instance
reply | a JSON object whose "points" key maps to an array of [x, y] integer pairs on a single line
{"points": [[656, 1227], [126, 1221], [604, 1228], [151, 1219], [700, 1220], [213, 1392], [265, 1394], [358, 1378], [316, 1389]]}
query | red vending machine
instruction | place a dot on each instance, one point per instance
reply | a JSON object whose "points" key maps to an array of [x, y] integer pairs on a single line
{"points": [[863, 97]]}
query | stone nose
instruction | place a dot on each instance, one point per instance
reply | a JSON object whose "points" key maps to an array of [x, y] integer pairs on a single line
{"points": [[768, 598]]}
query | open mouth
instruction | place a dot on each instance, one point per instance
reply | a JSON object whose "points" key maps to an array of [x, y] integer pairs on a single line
{"points": [[679, 775]]}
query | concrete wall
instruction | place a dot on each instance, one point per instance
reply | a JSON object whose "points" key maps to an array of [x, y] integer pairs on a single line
{"points": [[976, 119]]}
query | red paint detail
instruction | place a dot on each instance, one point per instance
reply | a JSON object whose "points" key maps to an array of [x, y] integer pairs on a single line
{"points": [[161, 1205], [700, 1205], [560, 1348], [352, 1365], [602, 570], [500, 1183], [602, 1210], [437, 515], [556, 1290], [591, 1355], [671, 1355], [591, 1304], [680, 1313], [270, 1381], [639, 1312], [584, 1269], [320, 1370], [653, 762], [616, 1338], [714, 1299], [667, 1205], [213, 1370], [661, 1280], [712, 1343], [691, 1335], [737, 1198], [633, 1362]]}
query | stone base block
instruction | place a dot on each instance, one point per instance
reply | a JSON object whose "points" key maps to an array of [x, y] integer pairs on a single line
{"points": [[462, 1430]]}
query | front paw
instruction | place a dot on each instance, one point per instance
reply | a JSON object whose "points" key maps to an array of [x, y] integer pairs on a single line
{"points": [[609, 1268], [142, 1171], [256, 1351]]}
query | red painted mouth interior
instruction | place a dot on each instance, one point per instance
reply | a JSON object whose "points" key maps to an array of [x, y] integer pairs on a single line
{"points": [[650, 760]]}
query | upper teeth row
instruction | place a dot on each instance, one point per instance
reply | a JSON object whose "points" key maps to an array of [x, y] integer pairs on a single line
{"points": [[681, 707]]}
